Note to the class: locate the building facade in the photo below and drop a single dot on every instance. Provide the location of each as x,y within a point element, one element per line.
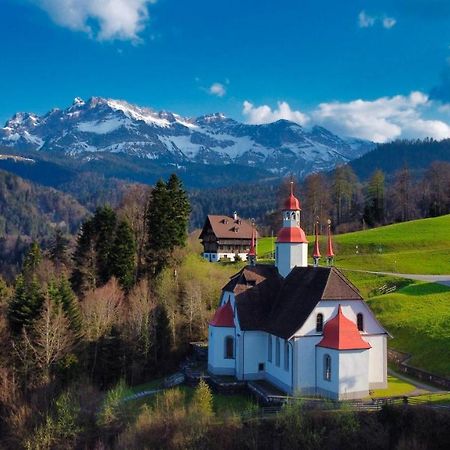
<point>226,237</point>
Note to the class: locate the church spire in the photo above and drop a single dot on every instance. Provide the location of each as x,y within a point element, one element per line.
<point>330,251</point>
<point>251,255</point>
<point>316,254</point>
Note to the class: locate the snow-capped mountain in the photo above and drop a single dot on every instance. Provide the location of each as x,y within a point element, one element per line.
<point>90,130</point>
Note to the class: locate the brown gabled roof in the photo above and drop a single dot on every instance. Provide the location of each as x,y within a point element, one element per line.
<point>281,306</point>
<point>251,276</point>
<point>225,227</point>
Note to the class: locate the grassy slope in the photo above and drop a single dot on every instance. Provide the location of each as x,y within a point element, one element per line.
<point>418,246</point>
<point>417,314</point>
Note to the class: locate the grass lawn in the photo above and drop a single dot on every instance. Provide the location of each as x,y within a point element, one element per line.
<point>417,314</point>
<point>396,387</point>
<point>418,246</point>
<point>223,404</point>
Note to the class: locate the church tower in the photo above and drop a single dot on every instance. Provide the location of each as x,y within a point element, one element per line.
<point>291,247</point>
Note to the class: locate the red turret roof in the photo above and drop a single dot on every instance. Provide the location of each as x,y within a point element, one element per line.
<point>252,251</point>
<point>223,317</point>
<point>316,253</point>
<point>341,333</point>
<point>291,235</point>
<point>292,202</point>
<point>330,252</point>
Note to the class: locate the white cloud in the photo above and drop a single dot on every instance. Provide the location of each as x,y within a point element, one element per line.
<point>217,89</point>
<point>389,22</point>
<point>380,120</point>
<point>383,119</point>
<point>365,21</point>
<point>101,19</point>
<point>265,114</point>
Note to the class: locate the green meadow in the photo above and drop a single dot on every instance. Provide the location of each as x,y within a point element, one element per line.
<point>418,247</point>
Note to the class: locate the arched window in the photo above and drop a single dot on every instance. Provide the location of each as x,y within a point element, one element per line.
<point>286,355</point>
<point>269,348</point>
<point>319,323</point>
<point>360,322</point>
<point>277,352</point>
<point>293,215</point>
<point>327,367</point>
<point>229,347</point>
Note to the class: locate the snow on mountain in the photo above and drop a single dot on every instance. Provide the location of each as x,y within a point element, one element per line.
<point>104,126</point>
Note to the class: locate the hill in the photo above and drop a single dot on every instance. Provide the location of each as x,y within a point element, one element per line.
<point>416,155</point>
<point>419,247</point>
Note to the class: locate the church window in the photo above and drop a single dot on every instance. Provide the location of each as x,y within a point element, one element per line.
<point>319,323</point>
<point>269,348</point>
<point>327,367</point>
<point>293,215</point>
<point>360,322</point>
<point>286,355</point>
<point>277,352</point>
<point>229,347</point>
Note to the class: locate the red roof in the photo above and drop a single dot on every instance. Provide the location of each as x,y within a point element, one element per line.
<point>223,317</point>
<point>330,251</point>
<point>291,235</point>
<point>316,253</point>
<point>292,203</point>
<point>341,333</point>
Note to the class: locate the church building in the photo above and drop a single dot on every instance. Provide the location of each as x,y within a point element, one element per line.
<point>303,328</point>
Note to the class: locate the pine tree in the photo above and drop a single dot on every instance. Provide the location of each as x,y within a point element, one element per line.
<point>60,292</point>
<point>104,223</point>
<point>167,220</point>
<point>32,260</point>
<point>203,399</point>
<point>179,210</point>
<point>58,249</point>
<point>25,305</point>
<point>123,264</point>
<point>163,336</point>
<point>375,201</point>
<point>84,275</point>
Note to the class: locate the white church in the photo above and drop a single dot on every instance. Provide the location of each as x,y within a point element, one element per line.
<point>304,329</point>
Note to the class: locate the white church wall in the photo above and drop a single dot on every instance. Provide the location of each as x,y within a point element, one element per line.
<point>377,361</point>
<point>305,376</point>
<point>227,296</point>
<point>254,354</point>
<point>290,255</point>
<point>217,363</point>
<point>350,309</point>
<point>353,374</point>
<point>277,373</point>
<point>327,387</point>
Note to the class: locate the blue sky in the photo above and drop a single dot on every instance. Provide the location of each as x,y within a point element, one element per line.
<point>372,69</point>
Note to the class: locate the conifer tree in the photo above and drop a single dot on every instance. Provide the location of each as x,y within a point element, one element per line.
<point>123,262</point>
<point>167,219</point>
<point>58,249</point>
<point>32,261</point>
<point>84,275</point>
<point>203,399</point>
<point>104,223</point>
<point>26,303</point>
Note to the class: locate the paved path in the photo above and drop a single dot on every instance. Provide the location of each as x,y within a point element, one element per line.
<point>440,279</point>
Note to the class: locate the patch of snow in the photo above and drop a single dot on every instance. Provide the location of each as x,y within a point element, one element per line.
<point>101,127</point>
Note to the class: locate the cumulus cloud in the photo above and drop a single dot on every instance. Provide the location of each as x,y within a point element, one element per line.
<point>367,21</point>
<point>217,89</point>
<point>380,120</point>
<point>265,114</point>
<point>100,19</point>
<point>383,119</point>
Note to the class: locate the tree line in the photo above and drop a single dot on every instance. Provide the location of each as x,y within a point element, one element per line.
<point>123,304</point>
